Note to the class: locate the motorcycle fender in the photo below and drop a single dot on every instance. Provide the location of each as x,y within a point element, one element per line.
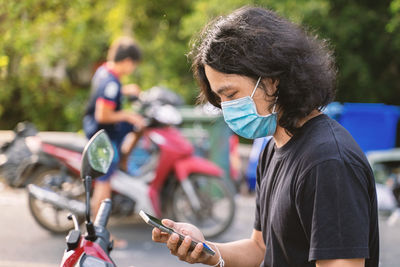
<point>184,167</point>
<point>86,247</point>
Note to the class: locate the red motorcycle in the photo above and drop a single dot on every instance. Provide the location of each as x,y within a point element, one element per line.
<point>92,249</point>
<point>163,177</point>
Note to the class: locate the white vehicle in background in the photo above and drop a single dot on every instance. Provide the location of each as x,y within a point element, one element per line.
<point>386,167</point>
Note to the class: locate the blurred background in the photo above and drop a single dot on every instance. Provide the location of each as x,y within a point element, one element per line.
<point>50,49</point>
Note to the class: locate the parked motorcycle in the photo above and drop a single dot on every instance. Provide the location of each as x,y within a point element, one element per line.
<point>163,177</point>
<point>15,154</point>
<point>92,249</point>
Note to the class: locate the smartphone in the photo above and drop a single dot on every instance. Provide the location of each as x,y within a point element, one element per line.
<point>153,221</point>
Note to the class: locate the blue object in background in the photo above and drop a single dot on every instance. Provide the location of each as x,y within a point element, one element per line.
<point>138,157</point>
<point>372,125</point>
<point>334,110</point>
<point>251,172</point>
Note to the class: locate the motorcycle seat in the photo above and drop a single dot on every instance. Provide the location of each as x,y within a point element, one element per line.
<point>74,147</point>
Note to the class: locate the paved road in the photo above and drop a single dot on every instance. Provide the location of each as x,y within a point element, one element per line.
<point>25,244</point>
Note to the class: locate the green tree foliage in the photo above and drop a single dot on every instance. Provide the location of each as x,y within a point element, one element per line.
<point>49,49</point>
<point>365,38</point>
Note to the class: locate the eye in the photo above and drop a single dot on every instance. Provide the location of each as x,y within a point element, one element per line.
<point>231,95</point>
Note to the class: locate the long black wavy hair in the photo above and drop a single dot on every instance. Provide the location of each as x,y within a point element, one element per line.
<point>256,42</point>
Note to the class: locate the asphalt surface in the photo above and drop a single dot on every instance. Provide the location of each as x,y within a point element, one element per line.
<point>24,243</point>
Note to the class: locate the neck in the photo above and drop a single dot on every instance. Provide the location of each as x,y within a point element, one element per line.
<point>115,68</point>
<point>281,137</point>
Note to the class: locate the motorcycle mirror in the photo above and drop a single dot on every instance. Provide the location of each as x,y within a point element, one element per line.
<point>97,156</point>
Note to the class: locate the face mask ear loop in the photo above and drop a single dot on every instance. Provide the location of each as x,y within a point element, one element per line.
<point>255,88</point>
<point>273,108</point>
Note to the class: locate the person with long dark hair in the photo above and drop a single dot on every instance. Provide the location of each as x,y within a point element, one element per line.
<point>315,196</point>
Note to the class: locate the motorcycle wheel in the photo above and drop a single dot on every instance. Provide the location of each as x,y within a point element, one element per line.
<point>47,215</point>
<point>216,200</point>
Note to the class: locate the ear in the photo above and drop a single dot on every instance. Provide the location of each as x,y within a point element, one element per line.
<point>270,85</point>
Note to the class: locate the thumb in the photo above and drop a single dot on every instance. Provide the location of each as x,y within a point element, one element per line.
<point>169,223</point>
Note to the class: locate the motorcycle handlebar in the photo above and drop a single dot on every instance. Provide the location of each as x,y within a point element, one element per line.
<point>103,214</point>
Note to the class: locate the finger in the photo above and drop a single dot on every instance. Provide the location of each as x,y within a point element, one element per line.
<point>138,127</point>
<point>159,236</point>
<point>137,87</point>
<point>196,253</point>
<point>156,235</point>
<point>172,243</point>
<point>167,222</point>
<point>183,249</point>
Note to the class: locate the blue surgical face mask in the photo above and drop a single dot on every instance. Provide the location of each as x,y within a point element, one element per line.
<point>242,117</point>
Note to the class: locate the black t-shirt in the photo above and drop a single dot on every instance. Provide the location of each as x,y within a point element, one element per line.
<point>316,198</point>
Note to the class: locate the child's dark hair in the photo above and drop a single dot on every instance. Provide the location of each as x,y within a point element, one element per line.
<point>122,48</point>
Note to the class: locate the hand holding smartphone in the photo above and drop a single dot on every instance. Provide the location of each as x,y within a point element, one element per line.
<point>155,222</point>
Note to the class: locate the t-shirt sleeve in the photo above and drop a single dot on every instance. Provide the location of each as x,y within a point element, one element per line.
<point>109,93</point>
<point>333,204</point>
